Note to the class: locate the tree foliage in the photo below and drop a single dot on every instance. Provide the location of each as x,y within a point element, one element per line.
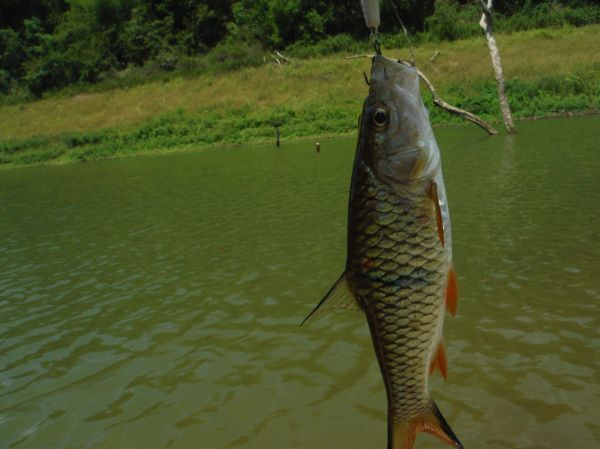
<point>48,44</point>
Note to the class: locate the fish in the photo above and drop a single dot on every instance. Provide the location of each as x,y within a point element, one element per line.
<point>399,269</point>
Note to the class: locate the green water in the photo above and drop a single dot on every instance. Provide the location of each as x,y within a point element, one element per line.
<point>154,302</point>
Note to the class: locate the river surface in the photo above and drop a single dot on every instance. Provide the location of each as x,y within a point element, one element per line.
<point>154,302</point>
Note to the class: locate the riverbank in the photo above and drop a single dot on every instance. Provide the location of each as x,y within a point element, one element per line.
<point>548,72</point>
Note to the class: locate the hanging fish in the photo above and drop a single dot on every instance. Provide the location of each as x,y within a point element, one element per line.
<point>399,251</point>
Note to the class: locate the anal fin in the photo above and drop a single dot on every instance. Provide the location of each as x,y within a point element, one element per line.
<point>339,296</point>
<point>433,194</point>
<point>439,360</point>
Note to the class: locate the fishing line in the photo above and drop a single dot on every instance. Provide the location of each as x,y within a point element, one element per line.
<point>405,31</point>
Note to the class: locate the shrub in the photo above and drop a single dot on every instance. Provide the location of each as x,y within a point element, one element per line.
<point>329,45</point>
<point>450,21</point>
<point>547,15</point>
<point>142,38</point>
<point>82,139</point>
<point>12,55</point>
<point>232,55</point>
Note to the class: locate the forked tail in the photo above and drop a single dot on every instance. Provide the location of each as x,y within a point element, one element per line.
<point>401,435</point>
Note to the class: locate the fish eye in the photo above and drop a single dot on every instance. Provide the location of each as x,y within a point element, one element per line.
<point>380,117</point>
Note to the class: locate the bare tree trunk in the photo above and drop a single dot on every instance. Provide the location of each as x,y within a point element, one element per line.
<point>486,24</point>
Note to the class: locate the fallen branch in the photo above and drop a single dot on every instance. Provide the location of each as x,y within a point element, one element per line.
<point>277,61</point>
<point>439,102</point>
<point>285,58</point>
<point>358,56</point>
<point>279,58</point>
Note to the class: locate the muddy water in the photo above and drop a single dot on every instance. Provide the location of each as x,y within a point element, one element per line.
<point>154,302</point>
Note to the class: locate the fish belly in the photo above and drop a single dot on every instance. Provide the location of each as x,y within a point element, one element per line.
<point>397,269</point>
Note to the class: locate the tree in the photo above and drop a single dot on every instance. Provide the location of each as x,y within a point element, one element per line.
<point>486,24</point>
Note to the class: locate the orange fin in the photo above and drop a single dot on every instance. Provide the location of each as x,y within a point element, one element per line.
<point>404,433</point>
<point>433,194</point>
<point>451,292</point>
<point>439,360</point>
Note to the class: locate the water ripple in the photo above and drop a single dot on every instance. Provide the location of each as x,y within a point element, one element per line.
<point>155,302</point>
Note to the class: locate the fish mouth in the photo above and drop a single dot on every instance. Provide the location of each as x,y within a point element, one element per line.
<point>387,70</point>
<point>391,64</point>
<point>397,82</point>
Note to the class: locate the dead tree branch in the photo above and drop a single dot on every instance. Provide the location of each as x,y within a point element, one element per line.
<point>439,102</point>
<point>285,58</point>
<point>277,61</point>
<point>358,56</point>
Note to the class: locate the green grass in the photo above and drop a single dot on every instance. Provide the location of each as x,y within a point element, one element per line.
<point>548,71</point>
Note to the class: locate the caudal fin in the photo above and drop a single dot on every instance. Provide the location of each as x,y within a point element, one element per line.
<point>402,435</point>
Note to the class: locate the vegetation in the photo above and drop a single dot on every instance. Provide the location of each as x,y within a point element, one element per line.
<point>47,45</point>
<point>90,79</point>
<point>309,97</point>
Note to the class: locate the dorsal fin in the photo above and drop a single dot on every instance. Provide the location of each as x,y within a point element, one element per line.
<point>339,296</point>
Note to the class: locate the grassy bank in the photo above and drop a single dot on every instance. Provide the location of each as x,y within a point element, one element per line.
<point>548,71</point>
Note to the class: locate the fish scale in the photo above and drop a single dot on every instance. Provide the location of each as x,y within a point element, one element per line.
<point>404,306</point>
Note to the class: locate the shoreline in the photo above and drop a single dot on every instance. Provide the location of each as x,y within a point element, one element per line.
<point>191,148</point>
<point>306,99</point>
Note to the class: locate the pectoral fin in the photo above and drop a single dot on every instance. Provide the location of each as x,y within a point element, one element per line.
<point>339,296</point>
<point>433,194</point>
<point>451,292</point>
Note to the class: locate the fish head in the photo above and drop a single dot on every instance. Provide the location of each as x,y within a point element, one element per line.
<point>395,132</point>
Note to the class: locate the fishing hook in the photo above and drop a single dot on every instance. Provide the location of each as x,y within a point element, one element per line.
<point>375,37</point>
